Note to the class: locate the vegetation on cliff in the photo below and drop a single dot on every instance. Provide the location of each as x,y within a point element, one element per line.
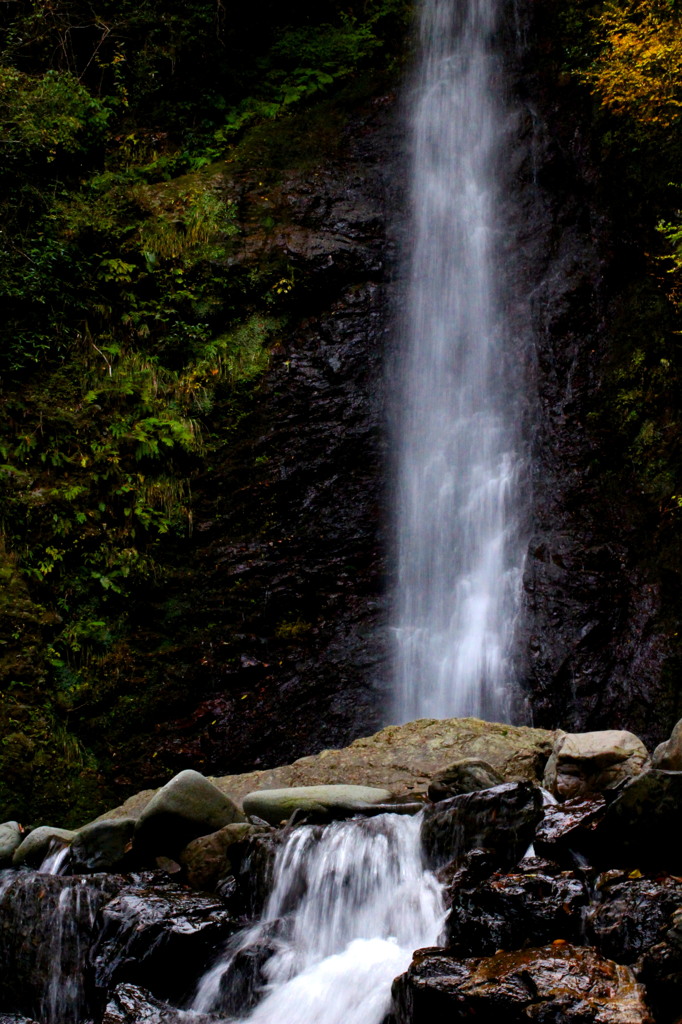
<point>135,331</point>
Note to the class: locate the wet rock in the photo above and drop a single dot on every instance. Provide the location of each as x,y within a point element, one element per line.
<point>130,1004</point>
<point>640,827</point>
<point>37,843</point>
<point>242,983</point>
<point>501,820</point>
<point>668,755</point>
<point>210,858</point>
<point>47,925</point>
<point>556,984</point>
<point>584,764</point>
<point>570,829</point>
<point>628,915</point>
<point>103,846</point>
<point>13,1018</point>
<point>277,805</point>
<point>256,870</point>
<point>186,807</point>
<point>660,969</point>
<point>516,910</point>
<point>150,925</point>
<point>401,758</point>
<point>465,776</point>
<point>10,840</point>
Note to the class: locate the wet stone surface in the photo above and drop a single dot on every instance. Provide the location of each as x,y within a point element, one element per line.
<point>556,984</point>
<point>150,926</point>
<point>501,820</point>
<point>517,910</point>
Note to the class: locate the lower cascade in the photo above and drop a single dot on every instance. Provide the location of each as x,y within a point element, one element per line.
<point>348,907</point>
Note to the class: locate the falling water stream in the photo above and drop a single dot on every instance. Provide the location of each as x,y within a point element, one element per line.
<point>348,907</point>
<point>460,454</point>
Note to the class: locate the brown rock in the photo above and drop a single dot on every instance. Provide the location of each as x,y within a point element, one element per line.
<point>207,859</point>
<point>401,758</point>
<point>585,763</point>
<point>555,984</point>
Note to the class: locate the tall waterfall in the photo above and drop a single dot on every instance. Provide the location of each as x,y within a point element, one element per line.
<point>460,454</point>
<point>348,907</point>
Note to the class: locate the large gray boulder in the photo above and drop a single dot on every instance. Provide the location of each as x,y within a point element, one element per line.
<point>10,840</point>
<point>585,763</point>
<point>103,846</point>
<point>186,807</point>
<point>36,845</point>
<point>277,805</point>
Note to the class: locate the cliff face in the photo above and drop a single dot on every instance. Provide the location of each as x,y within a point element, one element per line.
<point>596,641</point>
<point>279,603</point>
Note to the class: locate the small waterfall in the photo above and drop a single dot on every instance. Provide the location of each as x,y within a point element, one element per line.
<point>48,966</point>
<point>460,457</point>
<point>349,906</point>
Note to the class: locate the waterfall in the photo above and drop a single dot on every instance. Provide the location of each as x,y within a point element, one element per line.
<point>460,458</point>
<point>348,907</point>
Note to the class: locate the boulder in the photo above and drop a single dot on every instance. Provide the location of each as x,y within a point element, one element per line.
<point>516,910</point>
<point>36,845</point>
<point>465,776</point>
<point>640,827</point>
<point>555,984</point>
<point>569,829</point>
<point>500,820</point>
<point>277,805</point>
<point>186,807</point>
<point>660,969</point>
<point>210,858</point>
<point>10,840</point>
<point>585,763</point>
<point>668,755</point>
<point>103,846</point>
<point>628,915</point>
<point>130,1004</point>
<point>160,935</point>
<point>401,758</point>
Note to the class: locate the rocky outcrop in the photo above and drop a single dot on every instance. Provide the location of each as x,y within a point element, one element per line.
<point>556,984</point>
<point>594,640</point>
<point>401,758</point>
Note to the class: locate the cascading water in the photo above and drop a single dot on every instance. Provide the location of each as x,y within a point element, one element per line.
<point>460,457</point>
<point>348,908</point>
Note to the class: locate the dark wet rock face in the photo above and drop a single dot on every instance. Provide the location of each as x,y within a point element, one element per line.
<point>568,829</point>
<point>517,910</point>
<point>592,645</point>
<point>130,1004</point>
<point>151,926</point>
<point>557,984</point>
<point>661,971</point>
<point>46,927</point>
<point>500,820</point>
<point>281,648</point>
<point>641,825</point>
<point>629,915</point>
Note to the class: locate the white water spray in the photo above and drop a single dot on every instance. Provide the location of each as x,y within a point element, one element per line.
<point>460,457</point>
<point>348,908</point>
